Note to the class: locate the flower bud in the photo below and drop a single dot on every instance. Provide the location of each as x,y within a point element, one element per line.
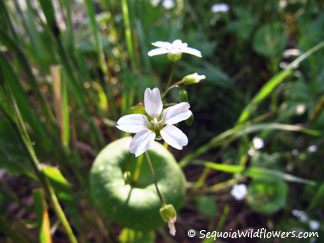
<point>169,215</point>
<point>174,57</point>
<point>193,78</point>
<point>183,96</point>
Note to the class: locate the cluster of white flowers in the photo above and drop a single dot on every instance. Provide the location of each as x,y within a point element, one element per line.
<point>258,144</point>
<point>303,217</point>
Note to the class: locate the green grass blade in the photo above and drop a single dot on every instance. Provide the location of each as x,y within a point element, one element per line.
<point>97,36</point>
<point>49,13</point>
<point>256,172</point>
<point>43,220</point>
<point>8,74</point>
<point>128,34</point>
<point>61,104</point>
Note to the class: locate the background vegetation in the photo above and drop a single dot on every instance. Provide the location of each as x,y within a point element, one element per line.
<point>70,69</point>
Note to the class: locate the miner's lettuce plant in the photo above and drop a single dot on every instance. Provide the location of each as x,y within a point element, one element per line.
<point>106,139</point>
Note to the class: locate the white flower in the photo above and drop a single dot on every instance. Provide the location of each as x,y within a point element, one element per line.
<point>193,78</point>
<point>295,152</point>
<point>177,47</point>
<point>157,124</point>
<point>303,217</point>
<point>168,4</point>
<point>219,7</point>
<point>300,109</point>
<point>312,148</point>
<point>251,152</point>
<point>258,143</point>
<point>172,229</point>
<point>239,191</point>
<point>314,225</point>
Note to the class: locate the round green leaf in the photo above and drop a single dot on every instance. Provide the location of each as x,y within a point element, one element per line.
<point>135,206</point>
<point>267,196</point>
<point>270,40</point>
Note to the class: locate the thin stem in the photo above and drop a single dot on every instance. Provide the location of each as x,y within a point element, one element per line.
<point>318,109</point>
<point>175,85</point>
<point>170,76</point>
<point>154,178</point>
<point>221,186</point>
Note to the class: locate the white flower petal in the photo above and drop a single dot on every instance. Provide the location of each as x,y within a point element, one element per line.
<point>157,51</point>
<point>192,51</point>
<point>141,142</point>
<point>179,44</point>
<point>132,123</point>
<point>152,102</point>
<point>171,226</point>
<point>176,113</point>
<point>174,137</point>
<point>163,44</point>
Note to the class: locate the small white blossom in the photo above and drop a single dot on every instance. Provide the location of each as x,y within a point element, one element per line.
<point>168,4</point>
<point>312,148</point>
<point>314,225</point>
<point>251,152</point>
<point>300,109</point>
<point>157,124</point>
<point>239,191</point>
<point>171,226</point>
<point>177,47</point>
<point>301,215</point>
<point>219,7</point>
<point>295,152</point>
<point>258,143</point>
<point>283,65</point>
<point>291,52</point>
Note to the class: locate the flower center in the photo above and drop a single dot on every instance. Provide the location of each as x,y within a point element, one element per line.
<point>156,123</point>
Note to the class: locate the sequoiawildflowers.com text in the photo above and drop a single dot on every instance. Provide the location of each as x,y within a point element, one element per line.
<point>251,233</point>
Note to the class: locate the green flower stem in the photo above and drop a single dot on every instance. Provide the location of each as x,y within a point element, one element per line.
<point>20,126</point>
<point>175,85</point>
<point>170,76</point>
<point>221,186</point>
<point>154,178</point>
